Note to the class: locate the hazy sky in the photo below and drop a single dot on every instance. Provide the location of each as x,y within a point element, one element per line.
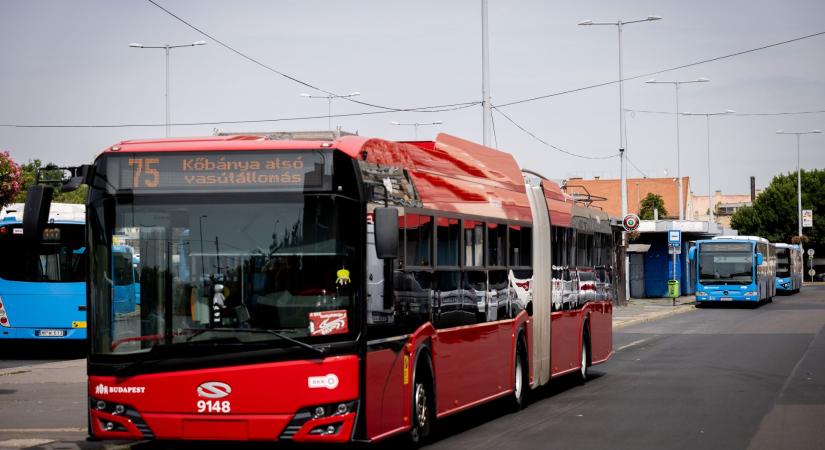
<point>68,63</point>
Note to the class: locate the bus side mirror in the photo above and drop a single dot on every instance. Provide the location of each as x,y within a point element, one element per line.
<point>692,253</point>
<point>36,211</point>
<point>80,176</point>
<point>759,259</point>
<point>386,233</point>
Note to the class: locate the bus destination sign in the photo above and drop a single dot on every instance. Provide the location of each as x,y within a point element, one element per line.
<point>291,171</point>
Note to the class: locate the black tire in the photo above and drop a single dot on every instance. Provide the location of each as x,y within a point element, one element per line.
<point>521,378</point>
<point>585,357</point>
<point>422,404</point>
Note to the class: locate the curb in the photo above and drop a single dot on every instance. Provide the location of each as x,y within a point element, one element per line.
<point>681,309</point>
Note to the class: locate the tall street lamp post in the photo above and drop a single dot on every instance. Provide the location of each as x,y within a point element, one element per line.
<point>619,24</point>
<point>622,160</point>
<point>678,156</point>
<point>329,98</point>
<point>707,118</point>
<point>798,176</point>
<point>415,125</point>
<point>167,48</point>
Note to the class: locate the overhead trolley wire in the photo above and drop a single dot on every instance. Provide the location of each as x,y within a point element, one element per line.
<point>285,75</point>
<point>531,134</point>
<point>658,72</point>
<point>441,108</point>
<point>785,113</point>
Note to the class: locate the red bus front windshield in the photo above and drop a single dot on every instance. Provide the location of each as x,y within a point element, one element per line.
<point>227,269</point>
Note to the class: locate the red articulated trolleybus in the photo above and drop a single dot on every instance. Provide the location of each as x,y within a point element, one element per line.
<point>335,290</point>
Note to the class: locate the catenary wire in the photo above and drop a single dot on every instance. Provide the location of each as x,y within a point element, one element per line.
<point>443,108</point>
<point>282,74</point>
<point>658,72</point>
<point>531,134</point>
<point>785,113</point>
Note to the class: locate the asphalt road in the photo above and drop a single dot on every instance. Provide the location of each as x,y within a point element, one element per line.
<point>712,378</point>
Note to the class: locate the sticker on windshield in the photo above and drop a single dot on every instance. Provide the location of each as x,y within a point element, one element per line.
<point>324,323</point>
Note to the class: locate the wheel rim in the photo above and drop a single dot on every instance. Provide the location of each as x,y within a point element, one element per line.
<point>517,388</point>
<point>584,360</point>
<point>421,405</point>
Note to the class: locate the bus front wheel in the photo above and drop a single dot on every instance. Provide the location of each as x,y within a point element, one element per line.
<point>422,406</point>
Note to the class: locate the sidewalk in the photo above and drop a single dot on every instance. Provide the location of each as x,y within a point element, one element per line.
<point>640,310</point>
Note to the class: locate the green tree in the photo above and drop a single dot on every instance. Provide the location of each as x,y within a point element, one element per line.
<point>774,212</point>
<point>28,173</point>
<point>649,203</point>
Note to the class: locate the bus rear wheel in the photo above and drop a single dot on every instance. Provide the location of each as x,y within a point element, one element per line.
<point>521,379</point>
<point>585,357</point>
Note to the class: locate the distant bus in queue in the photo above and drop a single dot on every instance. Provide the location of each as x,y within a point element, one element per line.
<point>42,281</point>
<point>734,269</point>
<point>789,267</point>
<point>348,289</point>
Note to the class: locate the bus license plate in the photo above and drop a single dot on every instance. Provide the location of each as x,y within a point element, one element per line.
<point>726,299</point>
<point>50,333</point>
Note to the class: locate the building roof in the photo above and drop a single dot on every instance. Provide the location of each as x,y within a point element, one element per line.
<point>637,190</point>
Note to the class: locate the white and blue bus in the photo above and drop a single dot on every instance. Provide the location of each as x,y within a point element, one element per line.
<point>734,269</point>
<point>42,282</point>
<point>789,268</point>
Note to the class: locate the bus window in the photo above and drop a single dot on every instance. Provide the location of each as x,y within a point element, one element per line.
<point>447,243</point>
<point>521,246</point>
<point>473,243</point>
<point>447,311</point>
<point>419,231</point>
<point>496,245</point>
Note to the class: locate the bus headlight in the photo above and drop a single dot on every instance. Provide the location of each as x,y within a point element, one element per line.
<point>749,294</point>
<point>701,294</point>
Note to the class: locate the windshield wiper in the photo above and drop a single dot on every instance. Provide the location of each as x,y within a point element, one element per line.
<point>200,331</point>
<point>155,352</point>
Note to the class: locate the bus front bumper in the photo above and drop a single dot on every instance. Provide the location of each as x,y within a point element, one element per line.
<point>44,334</point>
<point>710,296</point>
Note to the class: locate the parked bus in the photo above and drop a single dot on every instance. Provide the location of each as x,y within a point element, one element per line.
<point>789,267</point>
<point>734,269</point>
<point>335,290</point>
<point>42,283</point>
<point>126,280</point>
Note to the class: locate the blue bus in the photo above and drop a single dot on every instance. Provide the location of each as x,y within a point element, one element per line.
<point>42,284</point>
<point>126,283</point>
<point>734,269</point>
<point>789,267</point>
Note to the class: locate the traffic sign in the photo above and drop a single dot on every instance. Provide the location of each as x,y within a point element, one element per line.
<point>810,252</point>
<point>674,237</point>
<point>812,272</point>
<point>630,222</point>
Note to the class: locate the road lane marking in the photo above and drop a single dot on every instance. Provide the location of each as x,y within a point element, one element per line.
<point>631,344</point>
<point>42,430</point>
<point>24,443</point>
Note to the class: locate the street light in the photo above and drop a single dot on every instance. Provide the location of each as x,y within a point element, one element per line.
<point>167,47</point>
<point>707,118</point>
<point>329,98</point>
<point>798,176</point>
<point>678,157</point>
<point>415,125</point>
<point>619,24</point>
<point>622,160</point>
